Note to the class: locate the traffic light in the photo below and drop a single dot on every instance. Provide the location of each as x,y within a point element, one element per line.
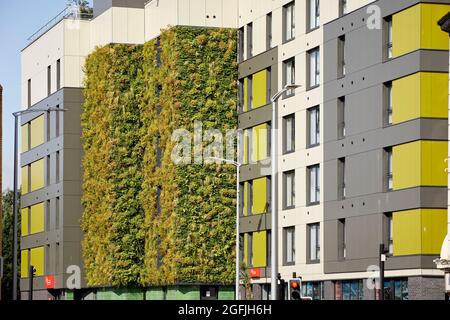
<point>294,289</point>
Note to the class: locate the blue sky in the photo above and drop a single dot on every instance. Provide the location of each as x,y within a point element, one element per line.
<point>19,19</point>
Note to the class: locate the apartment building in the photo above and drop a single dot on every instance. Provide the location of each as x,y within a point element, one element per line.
<point>51,154</point>
<point>362,144</point>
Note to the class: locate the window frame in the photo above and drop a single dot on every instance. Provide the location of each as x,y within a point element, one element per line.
<point>286,138</point>
<point>269,31</point>
<point>286,196</point>
<point>289,29</point>
<point>314,247</point>
<point>314,72</point>
<point>341,57</point>
<point>286,255</point>
<point>312,201</point>
<point>313,15</point>
<point>289,65</point>
<point>311,143</point>
<point>249,40</point>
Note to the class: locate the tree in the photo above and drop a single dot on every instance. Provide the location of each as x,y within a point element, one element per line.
<point>7,236</point>
<point>83,5</point>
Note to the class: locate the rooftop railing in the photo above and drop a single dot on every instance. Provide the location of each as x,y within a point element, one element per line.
<point>72,12</point>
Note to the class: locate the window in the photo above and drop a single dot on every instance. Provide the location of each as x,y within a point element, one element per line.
<point>341,57</point>
<point>289,75</point>
<point>341,178</point>
<point>58,74</point>
<point>58,164</point>
<point>388,170</point>
<point>47,215</point>
<point>396,289</point>
<point>269,248</point>
<point>47,179</point>
<point>314,126</point>
<point>241,45</point>
<point>289,189</point>
<point>314,184</point>
<point>341,118</point>
<point>349,290</point>
<point>342,239</point>
<point>249,40</point>
<point>29,92</point>
<point>289,21</point>
<point>342,7</point>
<point>268,85</point>
<point>389,233</point>
<point>250,249</point>
<point>314,68</point>
<point>269,31</point>
<point>289,134</point>
<point>388,103</point>
<point>289,240</point>
<point>241,248</point>
<point>250,92</point>
<point>388,38</point>
<point>314,243</point>
<point>49,80</point>
<point>314,14</point>
<point>241,95</point>
<point>314,290</point>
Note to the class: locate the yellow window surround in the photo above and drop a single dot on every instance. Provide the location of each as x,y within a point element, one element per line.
<point>24,222</point>
<point>416,28</point>
<point>420,95</point>
<point>24,264</point>
<point>419,163</point>
<point>260,150</point>
<point>25,180</point>
<point>25,137</point>
<point>419,231</point>
<point>37,260</point>
<point>259,196</point>
<point>259,249</point>
<point>37,218</point>
<point>37,175</point>
<point>37,132</point>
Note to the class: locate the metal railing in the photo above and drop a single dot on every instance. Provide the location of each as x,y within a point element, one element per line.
<point>69,12</point>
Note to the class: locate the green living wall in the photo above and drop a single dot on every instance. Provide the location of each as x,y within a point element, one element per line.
<point>148,221</point>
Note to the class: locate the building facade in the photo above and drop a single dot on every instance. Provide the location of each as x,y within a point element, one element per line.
<point>363,144</point>
<point>361,152</point>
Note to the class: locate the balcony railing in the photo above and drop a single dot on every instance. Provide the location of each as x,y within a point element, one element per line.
<point>72,12</point>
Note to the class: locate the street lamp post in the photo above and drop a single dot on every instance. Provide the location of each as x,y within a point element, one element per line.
<point>274,205</point>
<point>17,115</point>
<point>238,201</point>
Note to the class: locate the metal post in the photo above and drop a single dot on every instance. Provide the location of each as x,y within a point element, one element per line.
<point>382,252</point>
<point>273,202</point>
<point>31,279</point>
<point>238,202</point>
<point>15,206</point>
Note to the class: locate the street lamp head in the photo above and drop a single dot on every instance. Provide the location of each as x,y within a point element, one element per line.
<point>292,86</point>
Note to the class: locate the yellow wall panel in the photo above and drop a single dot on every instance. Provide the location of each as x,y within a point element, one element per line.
<point>259,141</point>
<point>37,175</point>
<point>245,195</point>
<point>421,95</point>
<point>420,231</point>
<point>406,31</point>
<point>37,131</point>
<point>25,145</point>
<point>434,230</point>
<point>37,218</point>
<point>37,260</point>
<point>24,264</point>
<point>432,35</point>
<point>25,188</point>
<point>259,249</point>
<point>259,196</point>
<point>259,89</point>
<point>246,102</point>
<point>416,28</point>
<point>24,222</point>
<point>419,163</point>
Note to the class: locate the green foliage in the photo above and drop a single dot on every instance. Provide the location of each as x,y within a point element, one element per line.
<point>113,218</point>
<point>7,242</point>
<point>126,120</point>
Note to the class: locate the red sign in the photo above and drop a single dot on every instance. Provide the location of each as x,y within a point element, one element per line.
<point>255,273</point>
<point>50,282</point>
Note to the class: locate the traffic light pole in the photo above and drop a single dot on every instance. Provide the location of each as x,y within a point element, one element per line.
<point>382,260</point>
<point>31,279</point>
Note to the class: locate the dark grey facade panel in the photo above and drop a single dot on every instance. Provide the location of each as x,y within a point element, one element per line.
<point>255,223</point>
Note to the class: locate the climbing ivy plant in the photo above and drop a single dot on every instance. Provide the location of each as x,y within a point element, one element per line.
<point>148,221</point>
